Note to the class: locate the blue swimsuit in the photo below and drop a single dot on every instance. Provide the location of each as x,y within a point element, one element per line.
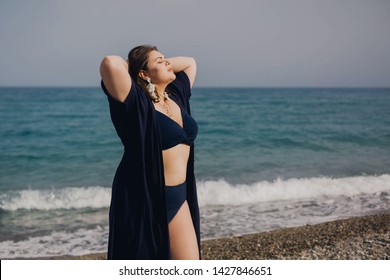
<point>173,134</point>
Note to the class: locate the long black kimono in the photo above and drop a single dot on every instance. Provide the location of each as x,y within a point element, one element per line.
<point>138,223</point>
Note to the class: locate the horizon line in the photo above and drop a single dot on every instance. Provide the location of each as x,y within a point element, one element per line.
<point>210,87</point>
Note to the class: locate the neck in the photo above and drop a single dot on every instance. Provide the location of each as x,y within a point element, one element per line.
<point>161,89</point>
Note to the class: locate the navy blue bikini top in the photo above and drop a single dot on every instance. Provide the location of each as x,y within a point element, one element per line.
<point>171,132</point>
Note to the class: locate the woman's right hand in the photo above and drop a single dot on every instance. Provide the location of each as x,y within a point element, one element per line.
<point>115,76</point>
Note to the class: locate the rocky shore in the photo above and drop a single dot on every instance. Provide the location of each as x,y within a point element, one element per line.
<point>366,238</point>
<point>355,238</point>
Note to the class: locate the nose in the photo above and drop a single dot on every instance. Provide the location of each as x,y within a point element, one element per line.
<point>167,62</point>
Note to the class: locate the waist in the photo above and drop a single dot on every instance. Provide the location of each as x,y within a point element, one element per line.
<point>175,164</point>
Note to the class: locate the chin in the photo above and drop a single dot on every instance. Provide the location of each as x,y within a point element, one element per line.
<point>172,77</point>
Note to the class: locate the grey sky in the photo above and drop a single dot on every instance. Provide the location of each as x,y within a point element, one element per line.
<point>236,43</point>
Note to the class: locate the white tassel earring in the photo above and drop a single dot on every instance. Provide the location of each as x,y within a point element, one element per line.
<point>152,89</point>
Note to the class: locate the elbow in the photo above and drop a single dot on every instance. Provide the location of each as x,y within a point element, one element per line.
<point>192,61</point>
<point>108,63</point>
<point>105,64</point>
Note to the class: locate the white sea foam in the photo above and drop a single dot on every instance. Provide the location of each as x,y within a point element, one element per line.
<point>225,210</point>
<point>217,192</point>
<point>59,243</point>
<point>222,193</point>
<point>65,198</point>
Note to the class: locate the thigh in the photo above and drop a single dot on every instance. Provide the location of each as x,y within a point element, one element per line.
<point>184,245</point>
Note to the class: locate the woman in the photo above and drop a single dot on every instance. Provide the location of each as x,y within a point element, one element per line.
<point>154,210</point>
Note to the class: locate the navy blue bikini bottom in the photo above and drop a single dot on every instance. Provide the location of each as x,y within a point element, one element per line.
<point>175,196</point>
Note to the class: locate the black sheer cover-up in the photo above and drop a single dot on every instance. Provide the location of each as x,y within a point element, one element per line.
<point>138,222</point>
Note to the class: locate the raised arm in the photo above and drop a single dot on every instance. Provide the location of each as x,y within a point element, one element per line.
<point>186,64</point>
<point>115,76</point>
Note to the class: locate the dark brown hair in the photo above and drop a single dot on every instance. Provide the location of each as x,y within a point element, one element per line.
<point>138,59</point>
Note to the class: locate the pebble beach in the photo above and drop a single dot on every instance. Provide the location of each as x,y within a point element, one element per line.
<point>357,238</point>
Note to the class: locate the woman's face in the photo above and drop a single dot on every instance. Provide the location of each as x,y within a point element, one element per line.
<point>159,68</point>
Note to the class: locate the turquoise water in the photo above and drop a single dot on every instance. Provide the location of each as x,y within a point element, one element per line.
<point>258,149</point>
<point>249,135</point>
<point>64,137</point>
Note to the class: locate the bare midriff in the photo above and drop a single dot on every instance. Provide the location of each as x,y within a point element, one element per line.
<point>175,164</point>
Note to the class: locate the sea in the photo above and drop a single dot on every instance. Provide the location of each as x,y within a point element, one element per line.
<point>265,159</point>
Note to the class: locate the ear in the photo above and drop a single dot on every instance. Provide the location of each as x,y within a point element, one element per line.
<point>143,75</point>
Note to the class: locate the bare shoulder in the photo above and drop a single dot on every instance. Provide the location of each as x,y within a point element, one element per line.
<point>115,76</point>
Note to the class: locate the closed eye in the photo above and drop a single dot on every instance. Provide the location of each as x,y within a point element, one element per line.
<point>160,58</point>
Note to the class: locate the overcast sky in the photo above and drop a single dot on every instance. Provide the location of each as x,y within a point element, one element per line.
<point>266,43</point>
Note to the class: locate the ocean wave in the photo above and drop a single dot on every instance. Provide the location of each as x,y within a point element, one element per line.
<point>211,192</point>
<point>222,193</point>
<point>65,198</point>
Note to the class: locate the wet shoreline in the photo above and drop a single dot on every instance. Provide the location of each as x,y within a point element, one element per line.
<point>366,237</point>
